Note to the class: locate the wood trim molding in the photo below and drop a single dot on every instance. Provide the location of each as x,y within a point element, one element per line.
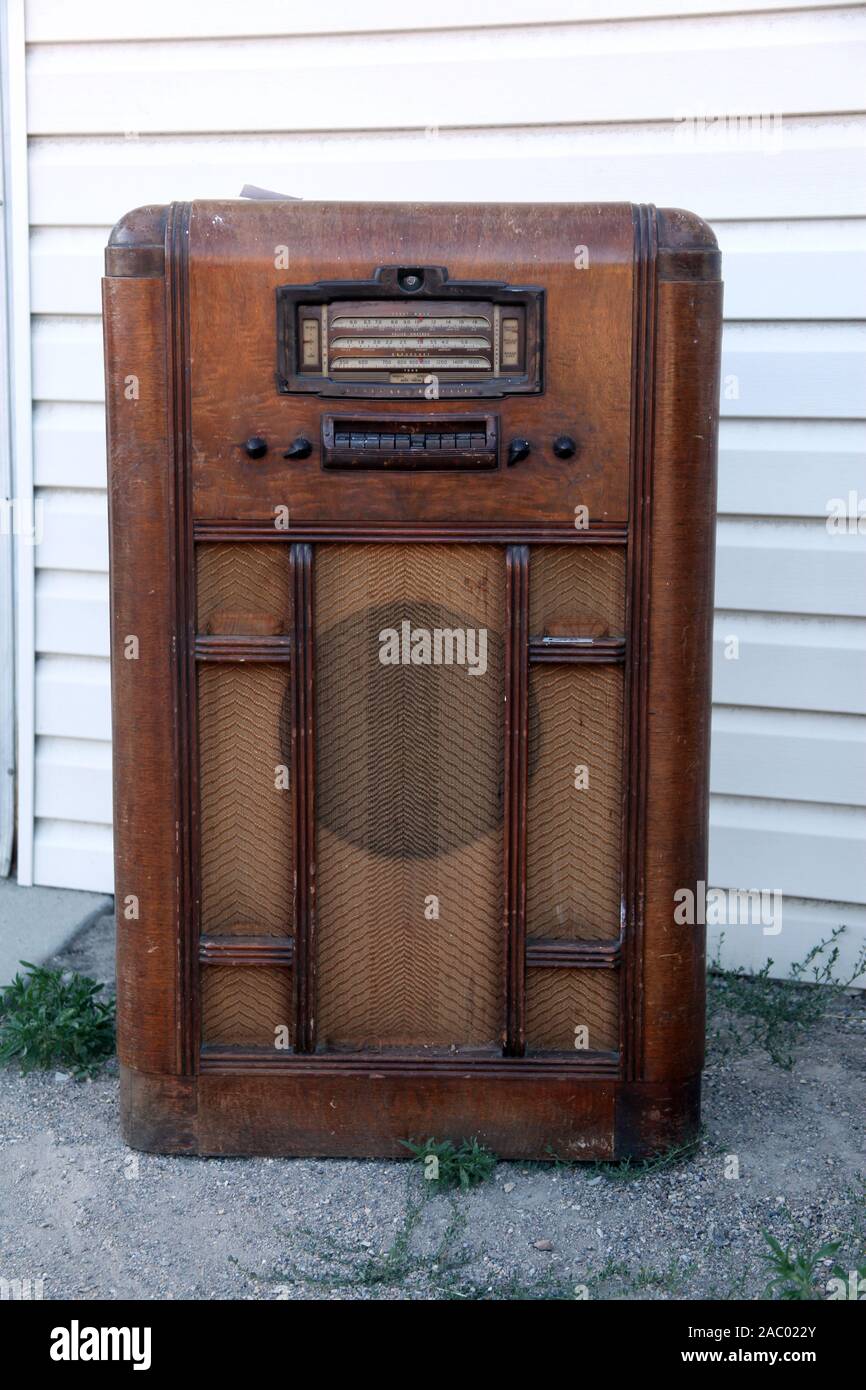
<point>136,247</point>
<point>576,651</point>
<point>566,1066</point>
<point>303,791</point>
<point>183,572</point>
<point>515,794</point>
<point>637,629</point>
<point>226,648</point>
<point>394,532</point>
<point>546,954</point>
<point>246,950</point>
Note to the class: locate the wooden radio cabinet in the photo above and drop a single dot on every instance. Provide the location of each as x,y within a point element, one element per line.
<point>412,517</point>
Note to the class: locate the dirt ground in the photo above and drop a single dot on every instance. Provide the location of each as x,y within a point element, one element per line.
<point>93,1220</point>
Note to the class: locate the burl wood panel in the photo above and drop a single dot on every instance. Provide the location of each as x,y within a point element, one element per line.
<point>587,356</point>
<point>409,811</point>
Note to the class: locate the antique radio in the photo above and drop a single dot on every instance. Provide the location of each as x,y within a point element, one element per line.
<point>412,540</point>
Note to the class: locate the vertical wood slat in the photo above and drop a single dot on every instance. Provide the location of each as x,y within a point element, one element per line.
<point>183,579</point>
<point>515,793</point>
<point>303,796</point>
<point>637,639</point>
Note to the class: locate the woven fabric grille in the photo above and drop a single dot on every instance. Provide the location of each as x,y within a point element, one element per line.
<point>243,590</point>
<point>577,591</point>
<point>245,817</point>
<point>244,1005</point>
<point>573,882</point>
<point>409,800</point>
<point>559,1002</point>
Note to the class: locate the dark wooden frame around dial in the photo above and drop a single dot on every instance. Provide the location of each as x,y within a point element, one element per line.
<point>387,284</point>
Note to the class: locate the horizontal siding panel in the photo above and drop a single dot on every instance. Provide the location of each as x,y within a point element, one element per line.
<point>73,697</point>
<point>73,780</point>
<point>789,468</point>
<point>72,613</point>
<point>814,269</point>
<point>822,277</point>
<point>66,267</point>
<point>69,444</point>
<point>56,21</point>
<point>791,663</point>
<point>535,76</point>
<point>74,531</point>
<point>68,359</point>
<point>86,182</point>
<point>788,755</point>
<point>807,850</point>
<point>804,923</point>
<point>790,567</point>
<point>70,855</point>
<point>806,371</point>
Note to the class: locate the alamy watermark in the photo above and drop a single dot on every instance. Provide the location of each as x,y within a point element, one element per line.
<point>437,646</point>
<point>729,907</point>
<point>755,130</point>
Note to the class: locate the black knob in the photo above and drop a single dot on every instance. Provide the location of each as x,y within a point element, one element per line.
<point>518,450</point>
<point>301,448</point>
<point>256,447</point>
<point>564,446</point>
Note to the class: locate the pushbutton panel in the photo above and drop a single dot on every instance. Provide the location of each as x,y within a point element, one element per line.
<point>409,443</point>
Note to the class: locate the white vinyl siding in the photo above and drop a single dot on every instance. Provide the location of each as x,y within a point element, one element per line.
<point>518,100</point>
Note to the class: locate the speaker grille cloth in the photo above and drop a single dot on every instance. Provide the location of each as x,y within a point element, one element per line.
<point>409,801</point>
<point>246,868</point>
<point>577,591</point>
<point>245,1005</point>
<point>243,590</point>
<point>560,1001</point>
<point>573,882</point>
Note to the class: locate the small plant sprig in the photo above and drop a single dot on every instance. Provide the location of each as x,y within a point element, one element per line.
<point>793,1272</point>
<point>775,1013</point>
<point>446,1165</point>
<point>53,1018</point>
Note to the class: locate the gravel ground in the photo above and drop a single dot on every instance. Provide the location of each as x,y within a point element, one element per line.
<point>95,1220</point>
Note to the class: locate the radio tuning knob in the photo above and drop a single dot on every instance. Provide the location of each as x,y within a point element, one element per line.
<point>564,446</point>
<point>300,448</point>
<point>255,446</point>
<point>518,450</point>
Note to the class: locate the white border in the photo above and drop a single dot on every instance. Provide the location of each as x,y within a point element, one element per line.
<point>17,228</point>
